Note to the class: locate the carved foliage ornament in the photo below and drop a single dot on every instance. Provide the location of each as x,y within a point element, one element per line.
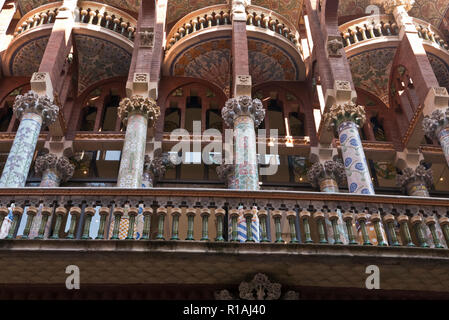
<point>389,5</point>
<point>139,104</point>
<point>438,120</point>
<point>41,105</point>
<point>146,37</point>
<point>241,106</point>
<point>421,174</point>
<point>348,111</point>
<point>260,288</point>
<point>334,47</point>
<point>330,170</point>
<point>62,165</point>
<point>224,171</point>
<point>158,165</point>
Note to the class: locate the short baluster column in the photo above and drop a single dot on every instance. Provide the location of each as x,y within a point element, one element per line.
<point>132,213</point>
<point>249,230</point>
<point>361,218</point>
<point>175,213</point>
<point>333,217</point>
<point>3,213</point>
<point>304,215</point>
<point>263,215</point>
<point>118,214</point>
<point>60,213</point>
<point>430,223</point>
<point>75,213</point>
<point>34,111</point>
<point>205,213</point>
<point>444,223</point>
<point>234,214</point>
<point>277,215</point>
<point>348,218</point>
<point>376,220</point>
<point>190,212</point>
<point>403,222</point>
<point>244,114</point>
<point>104,213</point>
<point>17,213</point>
<point>318,216</point>
<point>417,223</point>
<point>219,216</point>
<point>89,212</point>
<point>346,118</point>
<point>31,214</point>
<point>138,114</point>
<point>389,221</point>
<point>147,212</point>
<point>46,213</point>
<point>291,216</point>
<point>161,213</point>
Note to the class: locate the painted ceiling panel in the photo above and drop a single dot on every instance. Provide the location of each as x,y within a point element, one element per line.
<point>27,58</point>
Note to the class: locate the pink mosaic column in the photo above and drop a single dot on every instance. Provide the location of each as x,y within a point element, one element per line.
<point>436,126</point>
<point>34,111</point>
<point>138,113</point>
<point>244,114</point>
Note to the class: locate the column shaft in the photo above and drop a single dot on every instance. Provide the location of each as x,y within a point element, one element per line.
<point>131,164</point>
<point>21,154</point>
<point>246,170</point>
<point>357,172</point>
<point>443,137</point>
<point>50,179</point>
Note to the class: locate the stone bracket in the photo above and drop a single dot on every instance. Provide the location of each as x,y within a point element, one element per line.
<point>436,98</point>
<point>334,47</point>
<point>142,86</point>
<point>146,37</point>
<point>409,158</point>
<point>41,84</point>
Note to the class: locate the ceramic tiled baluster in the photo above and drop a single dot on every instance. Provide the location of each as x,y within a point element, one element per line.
<point>34,111</point>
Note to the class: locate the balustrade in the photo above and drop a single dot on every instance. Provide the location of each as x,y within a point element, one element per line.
<point>219,15</point>
<point>92,13</point>
<point>283,218</point>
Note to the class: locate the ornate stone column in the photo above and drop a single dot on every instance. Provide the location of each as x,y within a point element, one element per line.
<point>154,169</point>
<point>34,111</point>
<point>346,118</point>
<point>226,173</point>
<point>327,176</point>
<point>416,182</point>
<point>244,114</point>
<point>138,113</point>
<point>436,126</point>
<point>54,170</point>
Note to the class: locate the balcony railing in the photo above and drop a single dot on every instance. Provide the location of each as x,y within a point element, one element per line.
<point>216,215</point>
<point>372,27</point>
<point>220,15</point>
<point>91,13</point>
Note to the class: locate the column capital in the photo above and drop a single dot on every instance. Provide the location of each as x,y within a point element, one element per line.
<point>437,120</point>
<point>138,104</point>
<point>342,112</point>
<point>62,165</point>
<point>420,174</point>
<point>225,172</point>
<point>158,165</point>
<point>243,106</point>
<point>329,170</point>
<point>42,105</point>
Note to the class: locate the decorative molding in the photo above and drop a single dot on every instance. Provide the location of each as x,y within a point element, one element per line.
<point>260,288</point>
<point>41,105</point>
<point>139,104</point>
<point>243,106</point>
<point>334,47</point>
<point>343,112</point>
<point>146,37</point>
<point>390,5</point>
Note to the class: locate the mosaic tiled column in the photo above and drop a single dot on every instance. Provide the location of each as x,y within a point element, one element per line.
<point>138,113</point>
<point>34,111</point>
<point>327,176</point>
<point>416,182</point>
<point>244,115</point>
<point>436,126</point>
<point>346,118</point>
<point>154,169</point>
<point>54,170</point>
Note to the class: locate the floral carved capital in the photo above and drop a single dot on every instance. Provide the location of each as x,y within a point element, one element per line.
<point>330,170</point>
<point>64,168</point>
<point>243,106</point>
<point>139,104</point>
<point>389,5</point>
<point>225,172</point>
<point>158,165</point>
<point>342,112</point>
<point>34,103</point>
<point>421,174</point>
<point>438,120</point>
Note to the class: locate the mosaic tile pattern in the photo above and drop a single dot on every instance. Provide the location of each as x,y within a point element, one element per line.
<point>371,71</point>
<point>50,179</point>
<point>443,137</point>
<point>27,58</point>
<point>98,60</point>
<point>357,172</point>
<point>131,164</point>
<point>246,175</point>
<point>441,70</point>
<point>21,154</point>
